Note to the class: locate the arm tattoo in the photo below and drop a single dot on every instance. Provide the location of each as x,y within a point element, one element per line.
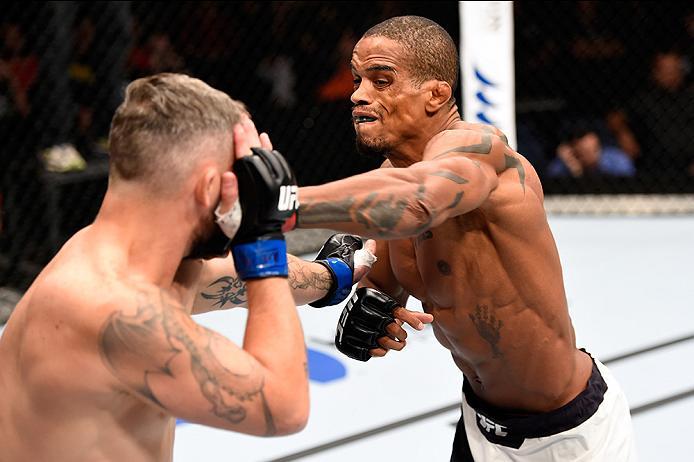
<point>456,200</point>
<point>376,211</point>
<point>302,277</point>
<point>384,214</point>
<point>483,147</point>
<point>450,176</point>
<point>488,327</point>
<point>513,162</point>
<point>326,212</point>
<point>499,133</point>
<point>138,347</point>
<point>232,290</point>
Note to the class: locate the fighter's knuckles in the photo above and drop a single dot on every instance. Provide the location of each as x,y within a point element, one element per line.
<point>394,330</point>
<point>378,352</point>
<point>390,344</point>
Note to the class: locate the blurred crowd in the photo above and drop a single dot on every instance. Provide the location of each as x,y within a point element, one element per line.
<point>621,71</point>
<point>604,89</point>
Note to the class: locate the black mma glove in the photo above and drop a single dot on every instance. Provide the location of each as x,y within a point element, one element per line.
<point>268,197</point>
<point>337,254</point>
<point>363,321</point>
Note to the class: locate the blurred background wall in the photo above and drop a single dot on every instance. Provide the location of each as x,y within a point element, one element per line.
<point>604,97</point>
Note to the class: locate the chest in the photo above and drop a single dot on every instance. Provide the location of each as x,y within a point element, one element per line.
<point>449,264</point>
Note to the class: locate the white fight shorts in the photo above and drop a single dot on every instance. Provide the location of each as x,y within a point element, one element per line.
<point>595,426</point>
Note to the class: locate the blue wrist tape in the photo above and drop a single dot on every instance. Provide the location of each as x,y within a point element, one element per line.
<point>342,282</point>
<point>261,259</point>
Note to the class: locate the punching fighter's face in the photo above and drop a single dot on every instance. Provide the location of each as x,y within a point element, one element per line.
<point>388,106</point>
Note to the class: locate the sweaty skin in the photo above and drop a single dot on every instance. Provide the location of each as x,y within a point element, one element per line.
<point>493,281</point>
<point>462,228</point>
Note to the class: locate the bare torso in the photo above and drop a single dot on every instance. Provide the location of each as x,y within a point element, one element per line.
<point>492,280</point>
<point>60,402</point>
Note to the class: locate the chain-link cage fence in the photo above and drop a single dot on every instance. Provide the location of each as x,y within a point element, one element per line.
<point>604,95</point>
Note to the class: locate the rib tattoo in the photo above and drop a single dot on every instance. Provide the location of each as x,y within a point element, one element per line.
<point>158,333</point>
<point>488,327</point>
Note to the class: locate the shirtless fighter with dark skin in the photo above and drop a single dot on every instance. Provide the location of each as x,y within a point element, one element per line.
<point>460,225</point>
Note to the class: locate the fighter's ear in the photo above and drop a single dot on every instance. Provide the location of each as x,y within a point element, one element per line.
<point>440,94</point>
<point>208,187</point>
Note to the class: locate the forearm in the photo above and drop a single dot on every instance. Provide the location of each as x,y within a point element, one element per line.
<point>221,288</point>
<point>379,204</point>
<point>395,203</point>
<point>274,337</point>
<point>308,281</point>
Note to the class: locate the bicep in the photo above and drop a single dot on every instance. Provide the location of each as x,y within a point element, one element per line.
<point>452,186</point>
<point>159,353</point>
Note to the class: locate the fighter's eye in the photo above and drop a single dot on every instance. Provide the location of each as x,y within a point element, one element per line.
<point>380,82</point>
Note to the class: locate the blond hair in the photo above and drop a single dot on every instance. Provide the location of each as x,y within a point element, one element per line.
<point>164,119</point>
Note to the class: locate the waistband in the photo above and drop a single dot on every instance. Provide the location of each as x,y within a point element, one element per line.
<point>504,425</point>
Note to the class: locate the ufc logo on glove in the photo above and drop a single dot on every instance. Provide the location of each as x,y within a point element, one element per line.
<point>288,199</point>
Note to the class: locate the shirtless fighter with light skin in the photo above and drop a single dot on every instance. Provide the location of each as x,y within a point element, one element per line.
<point>460,225</point>
<point>101,353</point>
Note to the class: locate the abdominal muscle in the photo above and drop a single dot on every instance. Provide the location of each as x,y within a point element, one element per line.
<point>516,349</point>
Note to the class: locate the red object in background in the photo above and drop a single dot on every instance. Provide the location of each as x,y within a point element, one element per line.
<point>25,71</point>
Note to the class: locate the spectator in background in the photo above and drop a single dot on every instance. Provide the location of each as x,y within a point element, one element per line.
<point>340,85</point>
<point>582,154</point>
<point>658,122</point>
<point>18,73</point>
<point>65,63</point>
<point>19,67</point>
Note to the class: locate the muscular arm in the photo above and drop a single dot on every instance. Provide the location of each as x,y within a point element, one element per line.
<point>157,352</point>
<point>458,172</point>
<point>220,288</point>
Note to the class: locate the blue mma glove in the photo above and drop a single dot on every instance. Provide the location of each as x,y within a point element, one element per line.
<point>337,254</point>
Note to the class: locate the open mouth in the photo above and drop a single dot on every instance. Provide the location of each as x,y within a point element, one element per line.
<point>360,119</point>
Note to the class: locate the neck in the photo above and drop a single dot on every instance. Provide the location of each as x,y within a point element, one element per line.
<point>145,237</point>
<point>412,150</point>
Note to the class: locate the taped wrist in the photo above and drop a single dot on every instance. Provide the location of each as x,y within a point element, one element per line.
<point>262,258</point>
<point>363,321</point>
<point>342,283</point>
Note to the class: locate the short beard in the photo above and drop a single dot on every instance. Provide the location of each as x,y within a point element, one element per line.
<point>377,149</point>
<point>208,241</point>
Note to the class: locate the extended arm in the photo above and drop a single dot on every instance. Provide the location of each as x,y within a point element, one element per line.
<point>220,287</point>
<point>459,170</point>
